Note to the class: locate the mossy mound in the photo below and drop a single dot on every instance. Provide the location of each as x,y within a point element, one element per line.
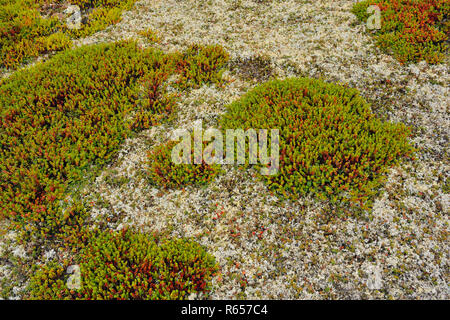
<point>331,145</point>
<point>411,30</point>
<point>129,265</point>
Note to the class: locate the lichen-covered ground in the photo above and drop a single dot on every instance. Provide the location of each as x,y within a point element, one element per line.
<point>273,249</point>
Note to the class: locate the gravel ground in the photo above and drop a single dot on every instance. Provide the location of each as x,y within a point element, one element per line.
<point>273,249</point>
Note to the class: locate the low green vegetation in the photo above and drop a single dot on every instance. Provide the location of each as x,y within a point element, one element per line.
<point>202,65</point>
<point>412,30</point>
<point>128,265</point>
<point>166,174</point>
<point>29,28</point>
<point>331,145</point>
<point>151,36</point>
<point>62,118</point>
<point>60,122</point>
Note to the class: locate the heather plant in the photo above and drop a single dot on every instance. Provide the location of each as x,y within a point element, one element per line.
<point>331,145</point>
<point>412,30</point>
<point>201,65</point>
<point>62,118</point>
<point>129,265</point>
<point>167,174</point>
<point>26,33</point>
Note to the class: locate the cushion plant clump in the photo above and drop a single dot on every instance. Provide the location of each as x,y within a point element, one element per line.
<point>129,265</point>
<point>412,30</point>
<point>331,145</point>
